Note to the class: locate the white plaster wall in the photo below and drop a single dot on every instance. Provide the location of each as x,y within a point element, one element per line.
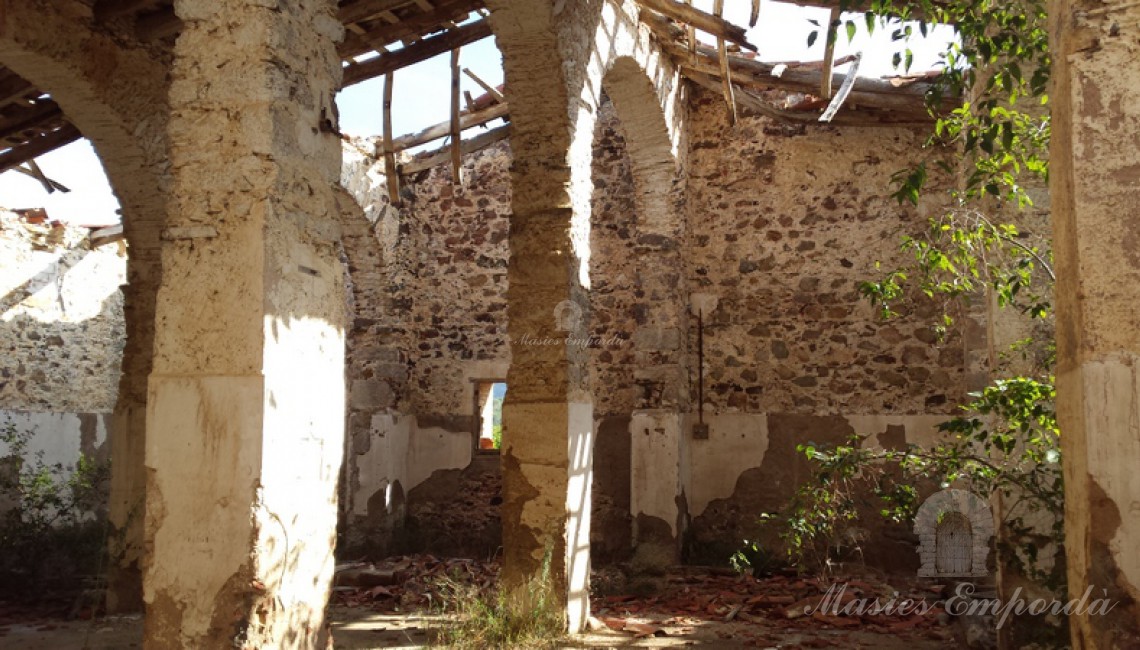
<point>737,442</point>
<point>403,452</point>
<point>57,435</point>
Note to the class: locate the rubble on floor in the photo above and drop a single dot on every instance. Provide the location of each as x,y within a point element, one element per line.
<point>784,611</point>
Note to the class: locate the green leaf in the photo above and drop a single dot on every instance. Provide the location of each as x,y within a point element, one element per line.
<point>850,30</point>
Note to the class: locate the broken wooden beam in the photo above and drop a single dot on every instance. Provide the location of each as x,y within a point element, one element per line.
<point>454,129</point>
<point>829,53</point>
<point>390,176</point>
<point>421,51</point>
<point>38,146</point>
<point>725,72</point>
<point>749,101</point>
<point>491,90</point>
<point>443,129</point>
<point>441,156</point>
<point>706,22</point>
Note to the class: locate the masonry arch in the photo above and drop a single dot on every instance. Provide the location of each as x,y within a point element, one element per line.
<point>115,97</point>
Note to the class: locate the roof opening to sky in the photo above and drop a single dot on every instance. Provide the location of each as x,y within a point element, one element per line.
<point>422,96</point>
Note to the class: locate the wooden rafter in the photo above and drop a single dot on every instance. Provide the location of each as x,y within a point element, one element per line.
<point>390,175</point>
<point>829,53</point>
<point>725,72</point>
<point>38,146</point>
<point>443,155</point>
<point>420,51</point>
<point>40,117</point>
<point>417,26</point>
<point>703,21</point>
<point>456,131</point>
<point>443,129</point>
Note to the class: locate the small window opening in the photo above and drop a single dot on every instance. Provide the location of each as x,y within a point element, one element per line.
<point>489,401</point>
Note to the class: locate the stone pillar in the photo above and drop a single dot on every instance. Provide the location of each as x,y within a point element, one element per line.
<point>548,435</point>
<point>1095,188</point>
<point>245,416</point>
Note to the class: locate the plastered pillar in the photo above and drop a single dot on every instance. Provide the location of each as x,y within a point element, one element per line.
<point>1095,188</point>
<point>548,437</point>
<point>245,413</point>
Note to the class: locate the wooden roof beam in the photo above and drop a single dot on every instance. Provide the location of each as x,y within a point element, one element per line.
<point>42,115</point>
<point>409,28</point>
<point>38,146</point>
<point>420,51</point>
<point>702,20</point>
<point>443,129</point>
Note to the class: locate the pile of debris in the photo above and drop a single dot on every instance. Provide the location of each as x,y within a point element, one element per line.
<point>409,582</point>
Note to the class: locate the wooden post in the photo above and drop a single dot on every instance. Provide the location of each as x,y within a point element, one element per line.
<point>829,53</point>
<point>491,90</point>
<point>456,132</point>
<point>390,174</point>
<point>725,73</point>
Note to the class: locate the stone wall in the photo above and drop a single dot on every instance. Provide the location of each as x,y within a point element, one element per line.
<point>428,291</point>
<point>782,223</point>
<point>61,318</point>
<point>61,335</point>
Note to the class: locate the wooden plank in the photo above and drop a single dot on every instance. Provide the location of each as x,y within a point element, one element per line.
<point>703,21</point>
<point>38,146</point>
<point>844,90</point>
<point>104,236</point>
<point>367,10</point>
<point>491,90</point>
<point>829,53</point>
<point>413,27</point>
<point>443,155</point>
<point>43,115</point>
<point>443,129</point>
<point>456,131</point>
<point>754,103</point>
<point>874,93</point>
<point>12,88</point>
<point>725,72</point>
<point>412,54</point>
<point>390,175</point>
<point>691,35</point>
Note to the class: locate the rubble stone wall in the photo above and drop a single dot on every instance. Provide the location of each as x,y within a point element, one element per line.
<point>782,224</point>
<point>61,316</point>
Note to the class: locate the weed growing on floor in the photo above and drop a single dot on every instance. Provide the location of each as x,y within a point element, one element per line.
<point>528,617</point>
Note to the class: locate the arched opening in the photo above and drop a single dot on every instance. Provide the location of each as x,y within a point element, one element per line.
<point>122,115</point>
<point>638,326</point>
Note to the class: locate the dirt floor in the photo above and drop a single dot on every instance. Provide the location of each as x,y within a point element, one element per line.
<point>396,604</point>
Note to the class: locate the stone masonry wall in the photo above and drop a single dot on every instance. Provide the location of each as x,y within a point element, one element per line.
<point>782,224</point>
<point>61,336</point>
<point>61,318</point>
